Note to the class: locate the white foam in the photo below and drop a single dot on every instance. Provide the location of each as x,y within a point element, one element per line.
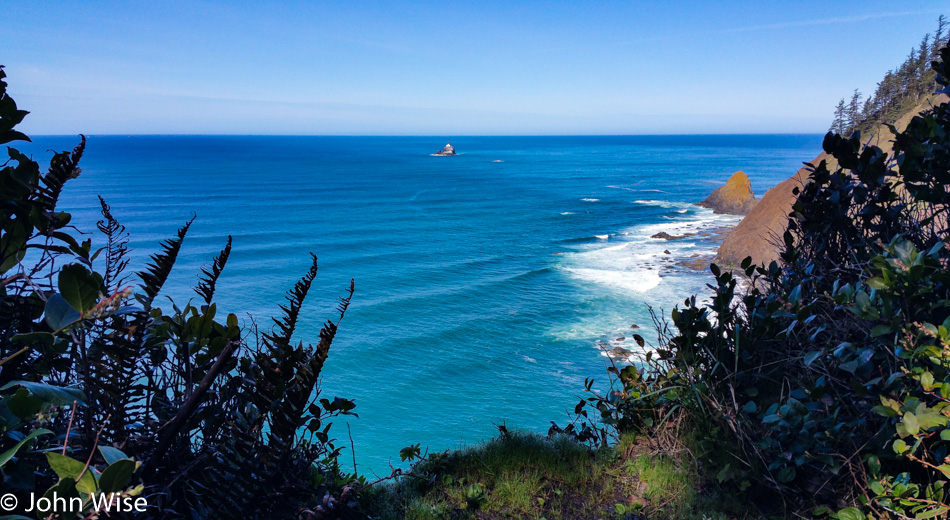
<point>632,357</point>
<point>635,262</point>
<point>638,281</point>
<point>590,200</point>
<point>666,204</point>
<point>567,213</point>
<point>617,282</point>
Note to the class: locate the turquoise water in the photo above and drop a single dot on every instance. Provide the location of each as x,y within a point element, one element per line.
<point>484,281</point>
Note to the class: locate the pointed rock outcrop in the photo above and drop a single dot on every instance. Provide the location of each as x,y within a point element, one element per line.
<point>759,235</point>
<point>733,198</point>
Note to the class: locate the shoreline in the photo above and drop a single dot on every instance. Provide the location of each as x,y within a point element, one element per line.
<point>617,349</point>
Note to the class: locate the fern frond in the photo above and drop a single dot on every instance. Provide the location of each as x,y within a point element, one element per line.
<point>235,462</point>
<point>280,339</point>
<point>206,283</point>
<point>62,167</point>
<point>118,385</point>
<point>283,387</point>
<point>344,302</point>
<point>299,393</point>
<point>156,273</point>
<point>117,247</point>
<point>287,416</point>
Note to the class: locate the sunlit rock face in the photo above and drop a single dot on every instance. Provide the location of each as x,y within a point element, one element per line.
<point>733,198</point>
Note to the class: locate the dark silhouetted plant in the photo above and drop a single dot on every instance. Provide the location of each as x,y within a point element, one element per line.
<point>102,390</point>
<point>825,380</point>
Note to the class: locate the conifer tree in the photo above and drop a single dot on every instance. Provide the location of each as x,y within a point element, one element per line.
<point>922,86</point>
<point>939,37</point>
<point>899,90</point>
<point>837,125</point>
<point>867,112</point>
<point>853,113</point>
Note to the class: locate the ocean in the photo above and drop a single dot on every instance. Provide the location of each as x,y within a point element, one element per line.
<point>485,282</point>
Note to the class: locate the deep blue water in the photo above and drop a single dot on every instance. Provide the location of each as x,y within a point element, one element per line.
<point>484,281</point>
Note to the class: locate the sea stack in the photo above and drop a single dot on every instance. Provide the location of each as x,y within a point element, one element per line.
<point>447,150</point>
<point>759,234</point>
<point>733,198</point>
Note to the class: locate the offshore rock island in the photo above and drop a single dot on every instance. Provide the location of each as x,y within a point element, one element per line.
<point>447,150</point>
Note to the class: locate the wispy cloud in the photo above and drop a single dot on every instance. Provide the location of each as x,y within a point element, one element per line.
<point>751,28</point>
<point>822,21</point>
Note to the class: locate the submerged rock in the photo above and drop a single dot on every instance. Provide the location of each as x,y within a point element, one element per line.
<point>696,262</point>
<point>733,198</point>
<point>619,352</point>
<point>666,236</point>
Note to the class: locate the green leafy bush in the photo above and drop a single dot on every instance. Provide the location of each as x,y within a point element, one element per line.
<point>102,390</point>
<point>825,380</point>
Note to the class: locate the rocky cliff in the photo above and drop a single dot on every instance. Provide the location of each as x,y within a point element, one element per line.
<point>734,198</point>
<point>759,235</point>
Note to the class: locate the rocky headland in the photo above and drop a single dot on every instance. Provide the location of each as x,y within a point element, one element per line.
<point>759,234</point>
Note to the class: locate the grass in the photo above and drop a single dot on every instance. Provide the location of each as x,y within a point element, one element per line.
<point>523,475</point>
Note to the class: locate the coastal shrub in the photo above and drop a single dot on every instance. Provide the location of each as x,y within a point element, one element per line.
<point>102,390</point>
<point>642,400</point>
<point>825,380</point>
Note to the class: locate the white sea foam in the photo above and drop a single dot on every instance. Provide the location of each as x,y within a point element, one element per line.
<point>637,264</point>
<point>627,280</point>
<point>602,237</point>
<point>666,204</point>
<point>567,213</point>
<point>588,199</point>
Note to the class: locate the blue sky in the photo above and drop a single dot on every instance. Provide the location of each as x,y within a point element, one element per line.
<point>437,68</point>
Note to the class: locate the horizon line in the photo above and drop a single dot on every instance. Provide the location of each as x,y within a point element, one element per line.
<point>442,136</point>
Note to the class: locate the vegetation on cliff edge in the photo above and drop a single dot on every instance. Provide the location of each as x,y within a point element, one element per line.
<point>823,387</point>
<point>900,90</point>
<point>104,391</point>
